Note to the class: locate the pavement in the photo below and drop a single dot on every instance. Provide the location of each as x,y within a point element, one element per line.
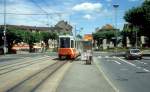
<point>125,75</point>
<point>84,78</point>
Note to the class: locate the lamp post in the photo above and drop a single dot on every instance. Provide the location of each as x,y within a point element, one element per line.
<point>115,10</point>
<point>4,31</point>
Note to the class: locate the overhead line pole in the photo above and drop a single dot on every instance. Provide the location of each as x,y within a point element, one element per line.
<point>4,31</point>
<point>115,7</point>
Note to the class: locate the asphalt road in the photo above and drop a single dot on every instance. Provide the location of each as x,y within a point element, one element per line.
<point>125,75</point>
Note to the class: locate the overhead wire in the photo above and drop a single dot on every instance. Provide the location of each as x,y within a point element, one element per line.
<point>25,13</point>
<point>36,4</point>
<point>37,14</point>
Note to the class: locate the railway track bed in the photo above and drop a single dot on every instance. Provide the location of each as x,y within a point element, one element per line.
<point>31,83</point>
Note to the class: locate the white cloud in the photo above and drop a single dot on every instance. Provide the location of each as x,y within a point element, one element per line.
<point>87,16</point>
<point>26,7</point>
<point>88,7</point>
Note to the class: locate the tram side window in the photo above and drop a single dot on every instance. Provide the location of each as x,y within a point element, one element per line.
<point>64,42</point>
<point>72,44</point>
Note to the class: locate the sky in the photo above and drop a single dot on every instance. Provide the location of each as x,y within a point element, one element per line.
<point>85,15</point>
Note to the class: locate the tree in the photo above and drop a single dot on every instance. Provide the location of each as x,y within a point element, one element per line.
<point>130,31</point>
<point>104,34</point>
<point>47,35</point>
<point>79,36</point>
<point>140,17</point>
<point>13,36</point>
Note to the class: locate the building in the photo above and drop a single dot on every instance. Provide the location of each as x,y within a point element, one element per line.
<point>107,37</point>
<point>132,36</point>
<point>62,27</point>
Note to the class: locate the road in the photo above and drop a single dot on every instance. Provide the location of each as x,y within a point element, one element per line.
<point>29,72</point>
<point>125,75</point>
<point>108,73</point>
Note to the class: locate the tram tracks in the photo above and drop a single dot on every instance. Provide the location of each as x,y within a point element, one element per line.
<point>7,63</point>
<point>18,65</point>
<point>31,83</point>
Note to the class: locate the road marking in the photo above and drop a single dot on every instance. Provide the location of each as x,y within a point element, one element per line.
<point>127,62</point>
<point>99,56</point>
<point>139,67</point>
<point>134,65</point>
<point>106,57</point>
<point>141,62</point>
<point>107,79</point>
<point>146,70</point>
<point>103,57</point>
<point>114,57</point>
<point>116,62</point>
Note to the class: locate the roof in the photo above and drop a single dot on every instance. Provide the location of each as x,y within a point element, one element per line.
<point>88,37</point>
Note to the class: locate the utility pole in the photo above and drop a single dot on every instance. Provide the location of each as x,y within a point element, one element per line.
<point>75,34</point>
<point>136,39</point>
<point>4,31</point>
<point>115,7</point>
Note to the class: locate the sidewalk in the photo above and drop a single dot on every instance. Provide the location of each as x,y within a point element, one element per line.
<point>84,78</point>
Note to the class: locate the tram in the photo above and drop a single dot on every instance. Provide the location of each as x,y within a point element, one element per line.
<point>67,47</point>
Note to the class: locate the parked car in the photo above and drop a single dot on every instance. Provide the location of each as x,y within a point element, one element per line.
<point>133,54</point>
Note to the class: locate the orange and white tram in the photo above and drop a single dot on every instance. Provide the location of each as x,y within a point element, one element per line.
<point>67,47</point>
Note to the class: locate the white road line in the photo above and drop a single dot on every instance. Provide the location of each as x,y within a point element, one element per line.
<point>106,57</point>
<point>127,62</point>
<point>99,56</point>
<point>146,70</point>
<point>134,65</point>
<point>141,62</point>
<point>139,67</point>
<point>114,57</point>
<point>105,76</point>
<point>116,62</point>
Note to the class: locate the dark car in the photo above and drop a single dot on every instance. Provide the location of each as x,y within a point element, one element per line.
<point>133,54</point>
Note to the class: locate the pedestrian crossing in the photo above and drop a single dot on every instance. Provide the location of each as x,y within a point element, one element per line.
<point>109,57</point>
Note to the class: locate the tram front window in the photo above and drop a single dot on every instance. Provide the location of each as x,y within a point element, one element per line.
<point>64,42</point>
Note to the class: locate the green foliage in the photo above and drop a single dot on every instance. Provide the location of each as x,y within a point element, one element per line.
<point>79,36</point>
<point>104,35</point>
<point>140,17</point>
<point>15,35</point>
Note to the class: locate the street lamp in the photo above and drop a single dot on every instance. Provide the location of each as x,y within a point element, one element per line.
<point>115,8</point>
<point>4,32</point>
